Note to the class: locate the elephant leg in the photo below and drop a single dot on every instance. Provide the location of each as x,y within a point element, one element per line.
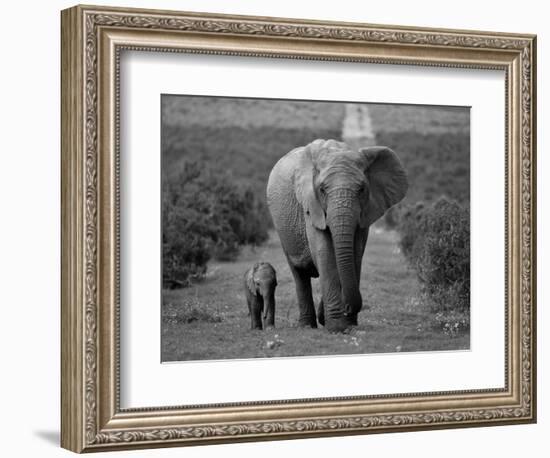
<point>333,317</point>
<point>269,320</point>
<point>321,312</point>
<point>360,244</point>
<point>305,298</point>
<point>256,306</point>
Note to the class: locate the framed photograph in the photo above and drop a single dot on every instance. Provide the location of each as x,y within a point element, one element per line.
<point>278,228</point>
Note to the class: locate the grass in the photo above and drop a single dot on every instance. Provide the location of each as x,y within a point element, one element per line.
<point>397,320</point>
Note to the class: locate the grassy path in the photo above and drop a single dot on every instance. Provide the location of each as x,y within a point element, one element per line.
<point>209,320</point>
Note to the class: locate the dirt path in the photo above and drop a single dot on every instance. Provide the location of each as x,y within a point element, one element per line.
<point>357,128</point>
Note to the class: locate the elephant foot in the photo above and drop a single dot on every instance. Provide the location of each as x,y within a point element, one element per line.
<point>307,322</point>
<point>339,325</point>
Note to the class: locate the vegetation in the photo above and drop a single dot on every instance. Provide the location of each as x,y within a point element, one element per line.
<point>248,153</point>
<point>435,239</point>
<point>433,220</point>
<point>188,311</point>
<point>205,214</point>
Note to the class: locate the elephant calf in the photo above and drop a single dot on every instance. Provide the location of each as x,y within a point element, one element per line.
<point>260,282</point>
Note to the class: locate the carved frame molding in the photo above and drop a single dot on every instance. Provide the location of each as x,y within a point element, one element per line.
<point>92,39</point>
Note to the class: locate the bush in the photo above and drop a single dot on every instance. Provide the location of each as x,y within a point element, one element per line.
<point>409,225</point>
<point>205,214</point>
<point>435,239</point>
<point>185,246</point>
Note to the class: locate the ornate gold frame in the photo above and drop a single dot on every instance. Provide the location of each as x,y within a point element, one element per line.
<point>92,38</point>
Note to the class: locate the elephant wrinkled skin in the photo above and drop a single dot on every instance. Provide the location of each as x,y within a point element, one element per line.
<point>323,197</point>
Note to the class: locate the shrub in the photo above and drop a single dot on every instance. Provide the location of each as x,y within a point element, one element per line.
<point>205,214</point>
<point>409,226</point>
<point>185,248</point>
<point>435,239</point>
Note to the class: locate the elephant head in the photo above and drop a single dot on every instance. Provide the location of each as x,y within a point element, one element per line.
<point>342,192</point>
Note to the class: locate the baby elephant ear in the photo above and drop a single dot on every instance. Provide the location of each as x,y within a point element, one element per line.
<point>387,181</point>
<point>250,280</point>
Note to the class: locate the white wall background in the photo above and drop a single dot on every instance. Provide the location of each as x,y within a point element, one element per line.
<point>29,234</point>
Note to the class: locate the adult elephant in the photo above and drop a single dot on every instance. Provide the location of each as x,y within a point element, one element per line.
<point>323,197</point>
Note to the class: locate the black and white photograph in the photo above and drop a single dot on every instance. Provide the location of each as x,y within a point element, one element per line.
<point>308,228</point>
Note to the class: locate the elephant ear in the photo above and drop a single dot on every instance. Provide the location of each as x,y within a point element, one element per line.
<point>250,280</point>
<point>304,177</point>
<point>387,181</point>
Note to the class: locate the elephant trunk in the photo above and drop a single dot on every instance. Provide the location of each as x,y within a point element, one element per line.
<point>343,225</point>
